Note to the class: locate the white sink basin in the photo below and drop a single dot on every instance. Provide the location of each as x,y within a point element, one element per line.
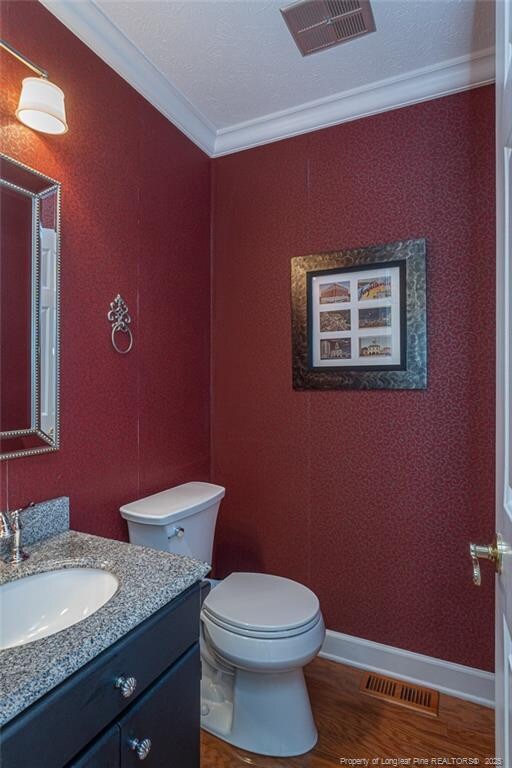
<point>40,605</point>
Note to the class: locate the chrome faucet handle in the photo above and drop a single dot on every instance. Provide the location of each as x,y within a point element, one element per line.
<point>10,528</point>
<point>6,531</point>
<point>15,515</point>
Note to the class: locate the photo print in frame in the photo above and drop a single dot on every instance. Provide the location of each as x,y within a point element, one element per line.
<point>359,318</point>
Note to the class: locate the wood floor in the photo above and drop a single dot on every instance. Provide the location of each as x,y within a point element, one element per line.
<point>353,725</point>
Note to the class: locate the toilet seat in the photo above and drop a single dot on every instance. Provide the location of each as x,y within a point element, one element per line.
<point>256,653</point>
<point>260,634</point>
<point>262,606</point>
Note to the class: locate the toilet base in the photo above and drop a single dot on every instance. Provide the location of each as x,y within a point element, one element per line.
<point>265,713</point>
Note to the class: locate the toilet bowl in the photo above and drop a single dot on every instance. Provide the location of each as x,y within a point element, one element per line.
<point>258,631</point>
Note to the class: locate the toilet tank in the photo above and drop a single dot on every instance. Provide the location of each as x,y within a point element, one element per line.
<point>181,519</point>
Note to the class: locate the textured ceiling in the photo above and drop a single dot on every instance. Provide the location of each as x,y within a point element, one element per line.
<point>236,61</point>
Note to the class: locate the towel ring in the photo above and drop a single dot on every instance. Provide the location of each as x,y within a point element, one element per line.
<point>120,319</point>
<point>130,343</point>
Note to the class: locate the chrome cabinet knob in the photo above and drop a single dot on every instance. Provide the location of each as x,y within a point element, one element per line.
<point>141,747</point>
<point>126,685</point>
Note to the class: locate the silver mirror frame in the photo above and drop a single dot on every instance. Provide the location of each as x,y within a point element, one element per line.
<point>51,443</point>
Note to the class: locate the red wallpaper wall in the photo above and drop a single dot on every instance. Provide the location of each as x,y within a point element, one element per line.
<point>370,498</point>
<point>136,210</point>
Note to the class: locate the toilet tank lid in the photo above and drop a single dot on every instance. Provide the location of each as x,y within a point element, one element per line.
<point>171,505</point>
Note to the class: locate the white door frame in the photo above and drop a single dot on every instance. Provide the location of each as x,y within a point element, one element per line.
<point>503,676</point>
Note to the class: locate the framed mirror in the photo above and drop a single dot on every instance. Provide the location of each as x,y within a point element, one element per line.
<point>29,310</point>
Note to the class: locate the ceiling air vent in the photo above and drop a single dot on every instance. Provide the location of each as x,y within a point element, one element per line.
<point>319,24</point>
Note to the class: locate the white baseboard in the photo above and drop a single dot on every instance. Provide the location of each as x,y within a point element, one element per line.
<point>453,679</point>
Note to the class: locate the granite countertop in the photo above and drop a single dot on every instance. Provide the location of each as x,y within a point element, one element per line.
<point>148,579</point>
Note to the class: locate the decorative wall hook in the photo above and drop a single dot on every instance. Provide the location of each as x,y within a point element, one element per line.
<point>120,319</point>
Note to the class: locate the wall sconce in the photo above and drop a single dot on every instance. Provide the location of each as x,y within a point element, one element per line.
<point>41,104</point>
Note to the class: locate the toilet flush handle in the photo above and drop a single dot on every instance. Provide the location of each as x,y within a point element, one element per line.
<point>178,531</point>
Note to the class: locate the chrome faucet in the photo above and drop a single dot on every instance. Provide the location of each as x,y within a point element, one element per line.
<point>10,530</point>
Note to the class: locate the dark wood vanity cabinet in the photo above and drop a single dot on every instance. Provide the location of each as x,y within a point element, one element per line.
<point>86,722</point>
<point>104,752</point>
<point>167,715</point>
<point>171,720</point>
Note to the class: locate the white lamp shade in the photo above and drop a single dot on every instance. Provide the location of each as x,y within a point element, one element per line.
<point>41,106</point>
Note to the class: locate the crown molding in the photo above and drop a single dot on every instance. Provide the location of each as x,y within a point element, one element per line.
<point>88,22</point>
<point>451,76</point>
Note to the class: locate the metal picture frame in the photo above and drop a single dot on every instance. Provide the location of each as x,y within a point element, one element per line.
<point>48,442</point>
<point>400,361</point>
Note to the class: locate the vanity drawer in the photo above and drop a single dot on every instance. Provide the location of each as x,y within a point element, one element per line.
<point>57,726</point>
<point>168,715</point>
<point>103,753</point>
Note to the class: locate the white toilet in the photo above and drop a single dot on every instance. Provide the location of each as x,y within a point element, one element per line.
<point>257,631</point>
